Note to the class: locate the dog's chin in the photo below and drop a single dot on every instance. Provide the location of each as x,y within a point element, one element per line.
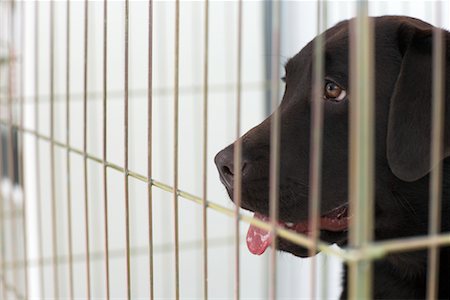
<point>339,238</point>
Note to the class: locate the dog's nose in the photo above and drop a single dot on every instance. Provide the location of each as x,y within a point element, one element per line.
<point>225,164</point>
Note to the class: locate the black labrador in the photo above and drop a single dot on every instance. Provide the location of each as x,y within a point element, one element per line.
<point>403,93</point>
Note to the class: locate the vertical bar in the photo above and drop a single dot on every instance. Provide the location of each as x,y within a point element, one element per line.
<point>175,146</point>
<point>205,152</point>
<point>2,203</point>
<point>2,212</point>
<point>149,145</point>
<point>2,199</point>
<point>22,150</point>
<point>267,23</point>
<point>274,146</point>
<point>37,152</point>
<point>86,199</point>
<point>437,137</point>
<point>237,185</point>
<point>361,149</point>
<point>105,142</point>
<point>315,174</point>
<point>10,148</point>
<point>68,178</point>
<point>52,152</point>
<point>127,213</point>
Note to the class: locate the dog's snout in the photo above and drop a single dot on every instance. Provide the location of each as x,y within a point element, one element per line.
<point>225,164</point>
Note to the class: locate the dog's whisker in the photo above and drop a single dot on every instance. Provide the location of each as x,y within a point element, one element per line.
<point>405,203</point>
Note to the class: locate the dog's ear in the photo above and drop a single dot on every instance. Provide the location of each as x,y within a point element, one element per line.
<point>409,124</point>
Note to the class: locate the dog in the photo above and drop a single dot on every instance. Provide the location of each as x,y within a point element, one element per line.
<point>403,49</point>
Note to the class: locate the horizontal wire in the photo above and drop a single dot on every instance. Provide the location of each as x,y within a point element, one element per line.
<point>374,250</point>
<point>284,233</point>
<point>380,249</point>
<point>16,213</point>
<point>118,253</point>
<point>118,94</point>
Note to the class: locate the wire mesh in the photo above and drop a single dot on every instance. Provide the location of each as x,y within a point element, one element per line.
<point>359,256</point>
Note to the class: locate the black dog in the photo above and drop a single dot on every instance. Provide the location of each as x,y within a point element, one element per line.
<point>403,85</point>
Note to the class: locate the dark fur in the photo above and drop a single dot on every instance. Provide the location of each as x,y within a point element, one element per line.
<point>403,48</point>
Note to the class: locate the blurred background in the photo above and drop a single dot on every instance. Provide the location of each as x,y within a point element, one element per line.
<point>26,60</point>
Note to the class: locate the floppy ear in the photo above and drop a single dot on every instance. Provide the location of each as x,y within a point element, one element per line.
<point>409,123</point>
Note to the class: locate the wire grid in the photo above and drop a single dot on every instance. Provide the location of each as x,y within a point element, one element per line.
<point>359,255</point>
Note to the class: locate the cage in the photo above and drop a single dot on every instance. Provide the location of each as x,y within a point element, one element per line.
<point>111,113</point>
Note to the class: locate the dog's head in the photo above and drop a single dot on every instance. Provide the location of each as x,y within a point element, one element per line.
<point>403,60</point>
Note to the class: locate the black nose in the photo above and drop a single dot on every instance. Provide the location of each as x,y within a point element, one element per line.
<point>225,164</point>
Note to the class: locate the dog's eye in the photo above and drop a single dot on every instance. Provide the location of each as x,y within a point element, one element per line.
<point>334,92</point>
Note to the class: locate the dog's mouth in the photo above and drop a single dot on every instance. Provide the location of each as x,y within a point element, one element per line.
<point>258,239</point>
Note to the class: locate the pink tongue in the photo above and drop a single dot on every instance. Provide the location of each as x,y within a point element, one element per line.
<point>258,239</point>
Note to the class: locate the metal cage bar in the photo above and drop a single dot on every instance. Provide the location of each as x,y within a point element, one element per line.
<point>68,167</point>
<point>175,146</point>
<point>52,153</point>
<point>21,151</point>
<point>437,137</point>
<point>4,278</point>
<point>37,147</point>
<point>126,171</point>
<point>361,149</point>
<point>237,158</point>
<point>316,140</point>
<point>11,172</point>
<point>85,168</point>
<point>150,147</point>
<point>205,151</point>
<point>105,144</point>
<point>274,169</point>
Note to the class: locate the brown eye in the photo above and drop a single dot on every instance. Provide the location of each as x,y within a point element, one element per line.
<point>334,92</point>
